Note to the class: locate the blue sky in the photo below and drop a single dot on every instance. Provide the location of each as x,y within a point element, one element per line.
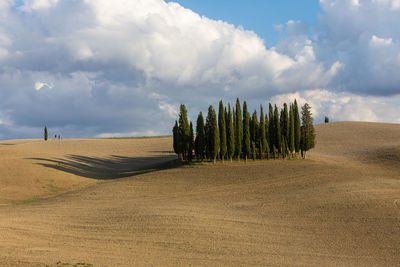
<point>257,15</point>
<point>89,68</point>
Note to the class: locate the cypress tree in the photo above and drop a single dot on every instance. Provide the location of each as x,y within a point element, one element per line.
<point>271,130</point>
<point>267,147</point>
<point>175,137</point>
<point>212,134</point>
<point>307,130</point>
<point>234,122</point>
<point>254,131</point>
<point>222,130</point>
<point>277,132</point>
<point>184,133</point>
<point>251,128</point>
<point>238,130</point>
<point>284,147</point>
<point>230,135</point>
<point>326,119</point>
<point>200,143</point>
<point>291,130</point>
<point>297,130</point>
<point>246,131</point>
<point>191,144</point>
<point>285,122</point>
<point>267,151</point>
<point>253,150</point>
<point>46,134</point>
<point>274,154</point>
<point>281,123</point>
<point>226,120</point>
<point>262,135</point>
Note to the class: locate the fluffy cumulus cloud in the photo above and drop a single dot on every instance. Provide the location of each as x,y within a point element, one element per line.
<point>112,68</point>
<point>339,106</point>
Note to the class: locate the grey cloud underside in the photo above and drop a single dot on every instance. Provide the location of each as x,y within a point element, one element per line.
<point>87,68</point>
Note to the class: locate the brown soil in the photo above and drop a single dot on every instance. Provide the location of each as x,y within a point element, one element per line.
<point>340,207</point>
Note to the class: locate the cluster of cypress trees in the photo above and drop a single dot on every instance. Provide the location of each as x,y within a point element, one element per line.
<point>236,134</point>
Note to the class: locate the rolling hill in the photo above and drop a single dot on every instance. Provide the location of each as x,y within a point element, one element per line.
<point>112,203</point>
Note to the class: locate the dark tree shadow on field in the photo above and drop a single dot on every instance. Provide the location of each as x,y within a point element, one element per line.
<point>113,167</point>
<point>164,152</point>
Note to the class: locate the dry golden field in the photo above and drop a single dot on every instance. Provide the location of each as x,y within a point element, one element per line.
<point>113,202</point>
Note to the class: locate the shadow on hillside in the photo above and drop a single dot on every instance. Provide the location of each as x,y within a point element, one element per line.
<point>113,167</point>
<point>386,156</point>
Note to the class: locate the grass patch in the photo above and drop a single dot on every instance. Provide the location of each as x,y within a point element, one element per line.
<point>79,264</point>
<point>29,201</point>
<point>206,162</point>
<point>138,137</point>
<point>55,189</point>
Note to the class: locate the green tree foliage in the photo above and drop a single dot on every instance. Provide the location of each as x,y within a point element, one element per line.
<point>285,122</point>
<point>235,133</point>
<point>191,143</point>
<point>253,150</point>
<point>291,131</point>
<point>234,123</point>
<point>212,134</point>
<point>254,128</point>
<point>230,135</point>
<point>184,133</point>
<point>226,119</point>
<point>297,130</point>
<point>262,144</point>
<point>326,119</point>
<point>284,147</point>
<point>271,130</point>
<point>246,132</point>
<point>277,132</point>
<point>222,130</point>
<point>46,134</point>
<point>175,132</point>
<point>267,128</point>
<point>200,143</point>
<point>307,130</point>
<point>239,130</point>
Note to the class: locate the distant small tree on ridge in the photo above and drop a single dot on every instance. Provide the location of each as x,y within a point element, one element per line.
<point>46,134</point>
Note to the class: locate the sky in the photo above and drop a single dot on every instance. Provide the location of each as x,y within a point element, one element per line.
<point>100,68</point>
<point>260,16</point>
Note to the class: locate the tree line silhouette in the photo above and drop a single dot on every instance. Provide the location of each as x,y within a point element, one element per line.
<point>236,134</point>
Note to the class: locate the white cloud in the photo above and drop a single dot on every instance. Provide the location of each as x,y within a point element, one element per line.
<point>3,52</point>
<point>117,62</point>
<point>395,4</point>
<point>278,27</point>
<point>40,85</point>
<point>345,106</point>
<point>355,3</point>
<point>30,5</point>
<point>380,41</point>
<point>171,110</point>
